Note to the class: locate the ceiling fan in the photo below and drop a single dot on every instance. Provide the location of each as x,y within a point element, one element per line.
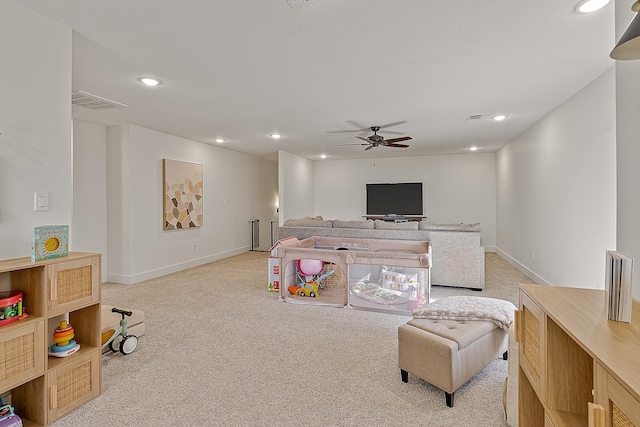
<point>376,140</point>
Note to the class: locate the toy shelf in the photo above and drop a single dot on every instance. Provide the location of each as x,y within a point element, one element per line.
<point>44,388</point>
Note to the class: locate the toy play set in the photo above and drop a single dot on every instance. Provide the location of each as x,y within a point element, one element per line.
<point>310,273</point>
<point>391,276</point>
<point>7,416</point>
<point>11,307</point>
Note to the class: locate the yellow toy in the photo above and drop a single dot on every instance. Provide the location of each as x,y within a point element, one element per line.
<point>64,344</point>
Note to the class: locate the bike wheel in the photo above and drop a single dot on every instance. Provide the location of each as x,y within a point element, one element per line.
<point>128,344</point>
<point>115,344</point>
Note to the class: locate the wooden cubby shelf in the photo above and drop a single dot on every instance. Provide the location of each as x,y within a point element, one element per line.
<point>577,368</point>
<point>40,387</point>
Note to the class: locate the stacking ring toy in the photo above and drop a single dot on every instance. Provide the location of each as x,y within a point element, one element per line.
<point>63,345</point>
<point>62,348</point>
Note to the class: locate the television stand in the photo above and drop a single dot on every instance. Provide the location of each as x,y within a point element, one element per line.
<point>395,218</point>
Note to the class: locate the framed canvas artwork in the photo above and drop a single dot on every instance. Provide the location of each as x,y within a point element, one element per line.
<point>182,194</point>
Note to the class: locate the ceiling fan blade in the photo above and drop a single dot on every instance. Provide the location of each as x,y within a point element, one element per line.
<point>344,145</point>
<point>347,131</point>
<point>364,139</point>
<point>388,125</point>
<point>368,148</point>
<point>404,138</point>
<point>359,128</point>
<point>398,145</point>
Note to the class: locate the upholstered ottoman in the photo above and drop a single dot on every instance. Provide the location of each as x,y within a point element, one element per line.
<point>451,340</point>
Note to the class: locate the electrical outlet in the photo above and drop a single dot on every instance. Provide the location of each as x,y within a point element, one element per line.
<point>502,240</point>
<point>227,202</point>
<point>194,246</point>
<point>533,255</point>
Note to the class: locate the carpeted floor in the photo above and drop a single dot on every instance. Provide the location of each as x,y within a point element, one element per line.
<point>220,350</point>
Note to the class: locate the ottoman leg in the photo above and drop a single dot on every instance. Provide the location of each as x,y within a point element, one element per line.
<point>449,398</point>
<point>505,355</point>
<point>404,375</point>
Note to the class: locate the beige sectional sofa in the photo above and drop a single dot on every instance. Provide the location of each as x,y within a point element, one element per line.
<point>457,252</point>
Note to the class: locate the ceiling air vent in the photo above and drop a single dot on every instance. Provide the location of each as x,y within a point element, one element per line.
<point>85,99</point>
<point>296,3</point>
<point>474,117</point>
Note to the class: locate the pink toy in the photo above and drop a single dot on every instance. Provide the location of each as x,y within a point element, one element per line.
<point>309,267</point>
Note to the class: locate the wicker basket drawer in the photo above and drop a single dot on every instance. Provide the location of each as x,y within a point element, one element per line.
<point>622,409</point>
<point>22,352</point>
<point>72,284</point>
<point>73,384</point>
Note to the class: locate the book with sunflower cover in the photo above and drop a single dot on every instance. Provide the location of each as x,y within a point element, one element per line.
<point>49,241</point>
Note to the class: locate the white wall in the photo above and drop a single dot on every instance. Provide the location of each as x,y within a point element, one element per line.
<point>295,181</point>
<point>35,125</point>
<point>89,223</point>
<point>628,151</point>
<point>138,247</point>
<point>556,191</point>
<point>119,268</point>
<point>457,188</point>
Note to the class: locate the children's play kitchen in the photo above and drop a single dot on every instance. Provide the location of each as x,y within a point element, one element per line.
<point>50,337</point>
<point>391,276</point>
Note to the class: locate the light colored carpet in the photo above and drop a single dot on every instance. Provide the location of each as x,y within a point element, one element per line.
<point>220,350</point>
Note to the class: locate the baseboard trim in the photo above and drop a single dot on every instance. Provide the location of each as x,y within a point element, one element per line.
<point>525,270</point>
<point>152,274</point>
<point>489,248</point>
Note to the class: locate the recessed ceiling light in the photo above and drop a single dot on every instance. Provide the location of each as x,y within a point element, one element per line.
<point>323,156</point>
<point>220,140</point>
<point>276,136</point>
<point>149,81</point>
<point>499,117</point>
<point>474,148</point>
<point>587,6</point>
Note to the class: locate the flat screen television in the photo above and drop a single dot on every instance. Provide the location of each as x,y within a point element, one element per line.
<point>400,199</point>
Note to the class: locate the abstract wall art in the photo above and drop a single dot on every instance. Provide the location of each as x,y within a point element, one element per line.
<point>182,194</point>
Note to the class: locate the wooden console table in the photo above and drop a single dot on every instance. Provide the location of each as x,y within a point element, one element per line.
<point>395,218</point>
<point>577,368</point>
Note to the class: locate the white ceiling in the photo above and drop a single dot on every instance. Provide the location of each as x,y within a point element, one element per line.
<point>241,70</point>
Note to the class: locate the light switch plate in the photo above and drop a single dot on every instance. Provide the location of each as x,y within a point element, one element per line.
<point>40,201</point>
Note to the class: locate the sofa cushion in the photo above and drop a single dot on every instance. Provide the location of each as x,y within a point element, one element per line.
<point>308,222</point>
<point>388,225</point>
<point>424,225</point>
<point>368,224</point>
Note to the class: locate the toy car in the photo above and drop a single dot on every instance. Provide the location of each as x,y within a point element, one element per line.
<point>308,289</point>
